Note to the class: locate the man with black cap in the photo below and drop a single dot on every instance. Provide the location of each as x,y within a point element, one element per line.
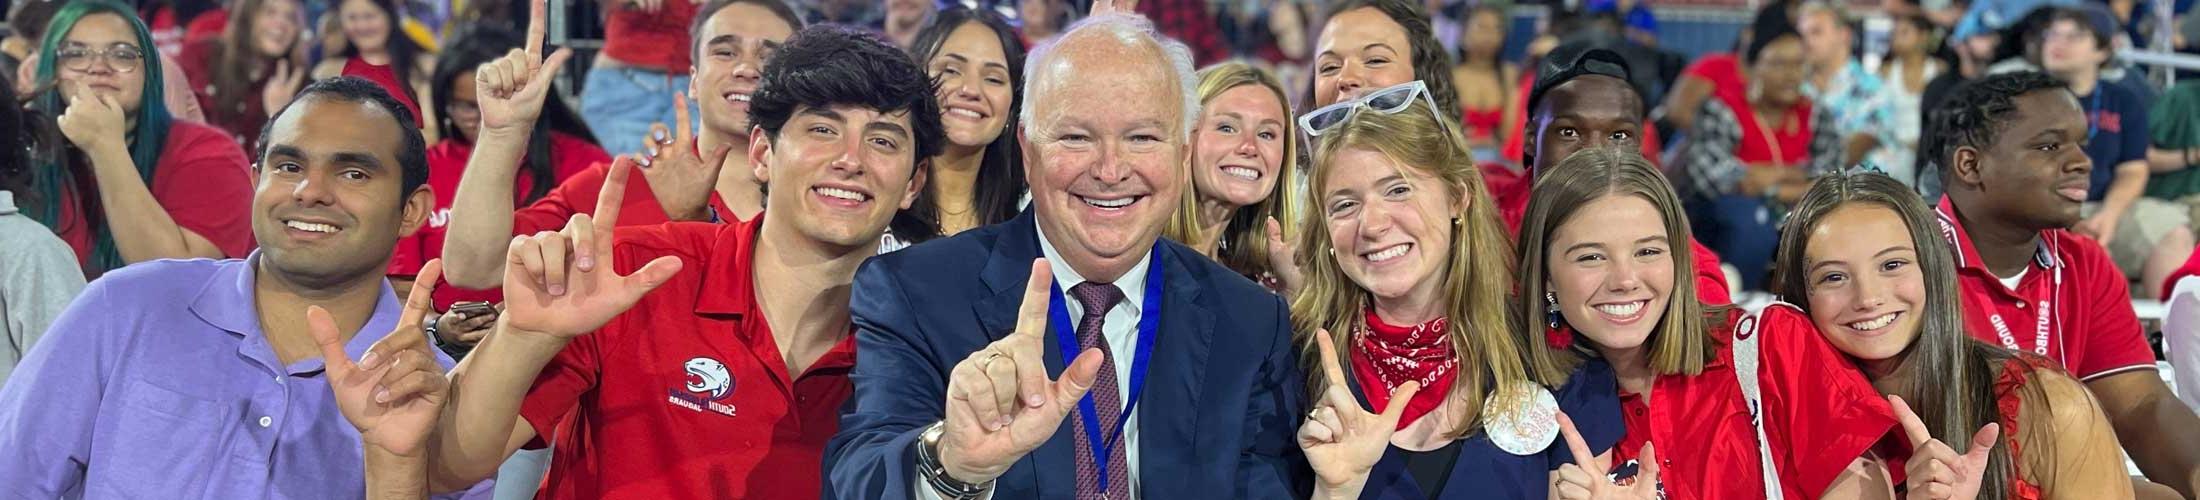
<point>1582,100</point>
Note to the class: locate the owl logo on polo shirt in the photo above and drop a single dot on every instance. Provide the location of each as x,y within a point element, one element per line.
<point>708,382</point>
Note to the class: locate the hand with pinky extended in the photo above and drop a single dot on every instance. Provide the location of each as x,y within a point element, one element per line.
<point>1342,440</point>
<point>682,177</point>
<point>1000,404</point>
<point>1586,479</point>
<point>395,392</point>
<point>1934,470</point>
<point>560,284</point>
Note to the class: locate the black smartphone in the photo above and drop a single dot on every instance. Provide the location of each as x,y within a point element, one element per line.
<point>473,309</point>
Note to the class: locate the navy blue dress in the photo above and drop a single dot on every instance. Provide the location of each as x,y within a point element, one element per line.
<point>1482,470</point>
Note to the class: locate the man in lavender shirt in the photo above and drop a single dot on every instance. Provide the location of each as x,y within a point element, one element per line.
<point>201,378</point>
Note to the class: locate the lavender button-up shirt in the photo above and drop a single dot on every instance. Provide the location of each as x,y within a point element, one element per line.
<point>158,383</point>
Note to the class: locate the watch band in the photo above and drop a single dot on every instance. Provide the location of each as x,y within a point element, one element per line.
<point>935,474</point>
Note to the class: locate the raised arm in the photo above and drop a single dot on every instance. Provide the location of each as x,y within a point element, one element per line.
<point>512,89</point>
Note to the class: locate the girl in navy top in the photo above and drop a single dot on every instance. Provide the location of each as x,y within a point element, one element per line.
<point>1404,310</point>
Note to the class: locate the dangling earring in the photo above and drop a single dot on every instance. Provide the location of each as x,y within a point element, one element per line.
<point>1557,334</point>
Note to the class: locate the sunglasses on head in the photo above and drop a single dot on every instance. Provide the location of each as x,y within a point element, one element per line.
<point>1388,100</point>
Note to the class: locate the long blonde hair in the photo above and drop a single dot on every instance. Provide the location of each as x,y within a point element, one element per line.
<point>1478,275</point>
<point>1244,241</point>
<point>1681,343</point>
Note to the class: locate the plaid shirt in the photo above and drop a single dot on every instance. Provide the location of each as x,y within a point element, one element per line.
<point>1188,21</point>
<point>1713,160</point>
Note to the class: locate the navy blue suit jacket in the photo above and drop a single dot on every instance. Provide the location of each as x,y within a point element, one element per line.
<point>1220,409</point>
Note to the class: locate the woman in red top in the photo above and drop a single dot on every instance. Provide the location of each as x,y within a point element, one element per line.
<point>132,184</point>
<point>560,146</point>
<point>376,48</point>
<point>1597,264</point>
<point>253,68</point>
<point>1867,258</point>
<point>1485,80</point>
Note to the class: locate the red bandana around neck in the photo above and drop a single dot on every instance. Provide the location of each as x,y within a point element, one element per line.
<point>1390,355</point>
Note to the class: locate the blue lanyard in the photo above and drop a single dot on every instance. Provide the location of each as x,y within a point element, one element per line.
<point>2093,114</point>
<point>1149,323</point>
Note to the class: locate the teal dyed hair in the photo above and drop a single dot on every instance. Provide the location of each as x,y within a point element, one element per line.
<point>56,174</point>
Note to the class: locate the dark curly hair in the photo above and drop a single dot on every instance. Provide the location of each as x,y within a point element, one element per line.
<point>829,64</point>
<point>1974,113</point>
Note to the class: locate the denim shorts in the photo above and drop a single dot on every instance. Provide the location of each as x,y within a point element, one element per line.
<point>620,103</point>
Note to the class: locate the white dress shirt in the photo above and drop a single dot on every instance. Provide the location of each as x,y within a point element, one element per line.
<point>1121,329</point>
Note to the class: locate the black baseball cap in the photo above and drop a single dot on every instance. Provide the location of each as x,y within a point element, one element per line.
<point>1575,59</point>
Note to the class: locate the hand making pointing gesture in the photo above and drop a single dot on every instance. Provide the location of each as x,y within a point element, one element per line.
<point>511,88</point>
<point>1585,479</point>
<point>1934,470</point>
<point>394,394</point>
<point>560,283</point>
<point>1342,440</point>
<point>1000,404</point>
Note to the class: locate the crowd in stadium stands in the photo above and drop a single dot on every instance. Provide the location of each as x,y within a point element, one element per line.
<point>926,249</point>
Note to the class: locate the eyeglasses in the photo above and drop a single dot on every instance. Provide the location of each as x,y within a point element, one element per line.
<point>1388,100</point>
<point>123,58</point>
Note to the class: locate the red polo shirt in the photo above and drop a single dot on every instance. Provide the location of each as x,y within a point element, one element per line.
<point>1820,413</point>
<point>446,166</point>
<point>577,195</point>
<point>685,395</point>
<point>2088,325</point>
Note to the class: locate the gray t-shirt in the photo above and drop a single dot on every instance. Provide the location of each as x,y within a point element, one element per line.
<point>38,277</point>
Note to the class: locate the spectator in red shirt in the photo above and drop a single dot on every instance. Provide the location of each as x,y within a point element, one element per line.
<point>686,179</point>
<point>729,379</point>
<point>254,67</point>
<point>558,147</point>
<point>2016,175</point>
<point>1374,44</point>
<point>640,67</point>
<point>1599,269</point>
<point>375,48</point>
<point>1862,255</point>
<point>132,184</point>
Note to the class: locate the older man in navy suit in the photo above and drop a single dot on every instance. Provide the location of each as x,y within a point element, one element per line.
<point>1070,352</point>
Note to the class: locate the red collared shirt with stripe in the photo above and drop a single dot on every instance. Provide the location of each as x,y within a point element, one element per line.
<point>2090,327</point>
<point>686,395</point>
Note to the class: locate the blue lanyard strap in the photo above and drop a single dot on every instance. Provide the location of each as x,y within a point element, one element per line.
<point>1149,324</point>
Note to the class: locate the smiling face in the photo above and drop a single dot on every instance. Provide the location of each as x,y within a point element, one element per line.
<point>734,43</point>
<point>1105,179</point>
<point>1865,284</point>
<point>327,203</point>
<point>2036,171</point>
<point>1390,225</point>
<point>975,87</point>
<point>121,78</point>
<point>275,27</point>
<point>1239,146</point>
<point>839,173</point>
<point>365,25</point>
<point>1611,270</point>
<point>1360,50</point>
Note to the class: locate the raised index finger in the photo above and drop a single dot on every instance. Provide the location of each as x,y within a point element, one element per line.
<point>1911,425</point>
<point>608,202</point>
<point>1582,456</point>
<point>537,20</point>
<point>422,298</point>
<point>333,357</point>
<point>1031,318</point>
<point>1331,371</point>
<point>686,129</point>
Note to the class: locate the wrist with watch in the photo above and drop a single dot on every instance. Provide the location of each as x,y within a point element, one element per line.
<point>935,474</point>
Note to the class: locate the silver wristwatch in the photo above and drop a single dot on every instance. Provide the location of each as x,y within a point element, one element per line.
<point>935,474</point>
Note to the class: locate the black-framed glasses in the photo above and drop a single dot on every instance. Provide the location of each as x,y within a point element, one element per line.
<point>122,57</point>
<point>1388,100</point>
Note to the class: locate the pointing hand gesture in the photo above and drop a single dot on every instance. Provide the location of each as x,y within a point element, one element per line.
<point>1000,404</point>
<point>511,88</point>
<point>560,283</point>
<point>393,394</point>
<point>1585,479</point>
<point>1342,440</point>
<point>1935,471</point>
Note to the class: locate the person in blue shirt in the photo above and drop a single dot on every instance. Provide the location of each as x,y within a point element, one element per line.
<point>2148,238</point>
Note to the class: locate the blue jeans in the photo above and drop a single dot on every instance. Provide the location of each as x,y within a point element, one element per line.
<point>1742,230</point>
<point>620,103</point>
